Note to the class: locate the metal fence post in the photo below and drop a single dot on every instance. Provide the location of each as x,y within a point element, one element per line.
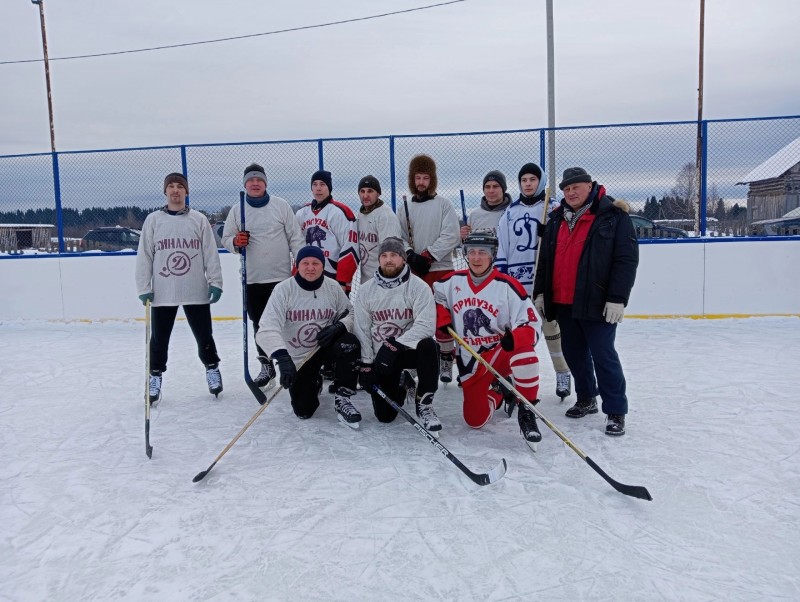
<point>184,168</point>
<point>320,154</point>
<point>59,215</point>
<point>392,174</point>
<point>542,162</point>
<point>703,177</point>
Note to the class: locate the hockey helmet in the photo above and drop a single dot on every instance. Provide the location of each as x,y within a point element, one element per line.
<point>486,240</point>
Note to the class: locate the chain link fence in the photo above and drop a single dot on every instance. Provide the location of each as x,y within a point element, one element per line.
<point>95,201</point>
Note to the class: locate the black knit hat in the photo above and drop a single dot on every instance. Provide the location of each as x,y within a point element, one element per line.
<point>370,182</point>
<point>309,251</point>
<point>530,168</point>
<point>177,178</point>
<point>496,176</point>
<point>324,176</point>
<point>254,170</point>
<point>573,175</point>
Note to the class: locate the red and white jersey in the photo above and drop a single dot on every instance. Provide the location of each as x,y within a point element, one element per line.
<point>481,313</point>
<point>332,228</point>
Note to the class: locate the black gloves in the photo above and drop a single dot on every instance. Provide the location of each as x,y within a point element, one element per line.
<point>367,377</point>
<point>387,355</point>
<point>330,333</point>
<point>286,366</point>
<point>419,264</point>
<point>507,340</point>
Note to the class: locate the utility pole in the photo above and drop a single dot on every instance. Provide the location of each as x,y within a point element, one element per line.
<point>40,3</point>
<point>699,156</point>
<point>551,104</point>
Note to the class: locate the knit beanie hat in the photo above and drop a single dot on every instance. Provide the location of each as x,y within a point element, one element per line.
<point>495,176</point>
<point>370,182</point>
<point>309,251</point>
<point>573,175</point>
<point>325,176</point>
<point>254,170</point>
<point>392,244</point>
<point>530,168</point>
<point>176,178</point>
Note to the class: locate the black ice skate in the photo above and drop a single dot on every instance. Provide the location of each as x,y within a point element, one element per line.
<point>346,412</point>
<point>528,427</point>
<point>445,367</point>
<point>266,378</point>
<point>427,417</point>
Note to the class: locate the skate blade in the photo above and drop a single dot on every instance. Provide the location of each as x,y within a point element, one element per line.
<point>533,445</point>
<point>352,425</point>
<point>269,386</point>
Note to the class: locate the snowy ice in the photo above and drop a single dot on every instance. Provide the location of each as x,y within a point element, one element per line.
<point>312,510</point>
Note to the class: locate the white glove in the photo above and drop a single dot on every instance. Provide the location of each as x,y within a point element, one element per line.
<point>614,312</point>
<point>538,303</point>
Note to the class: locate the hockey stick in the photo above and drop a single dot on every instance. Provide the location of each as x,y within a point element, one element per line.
<point>463,207</point>
<point>636,491</point>
<point>408,224</point>
<point>487,478</point>
<point>148,449</point>
<point>202,474</point>
<point>254,388</point>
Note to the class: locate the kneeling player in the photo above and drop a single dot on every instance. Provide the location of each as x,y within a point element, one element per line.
<point>493,314</point>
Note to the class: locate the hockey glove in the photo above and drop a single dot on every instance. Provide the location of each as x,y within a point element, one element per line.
<point>286,367</point>
<point>614,312</point>
<point>214,294</point>
<point>367,377</point>
<point>507,340</point>
<point>387,355</point>
<point>419,264</point>
<point>328,335</point>
<point>242,239</point>
<point>145,298</point>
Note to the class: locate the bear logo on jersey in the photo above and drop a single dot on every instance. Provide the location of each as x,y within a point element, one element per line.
<point>474,320</point>
<point>315,234</point>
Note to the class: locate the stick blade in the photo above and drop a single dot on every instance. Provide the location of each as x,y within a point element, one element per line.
<point>202,474</point>
<point>491,477</point>
<point>636,491</point>
<point>149,451</point>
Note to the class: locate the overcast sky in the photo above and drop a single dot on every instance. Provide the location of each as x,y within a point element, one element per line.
<point>475,65</point>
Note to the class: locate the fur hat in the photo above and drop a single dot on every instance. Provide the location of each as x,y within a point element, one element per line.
<point>370,182</point>
<point>573,175</point>
<point>392,244</point>
<point>309,251</point>
<point>254,170</point>
<point>422,164</point>
<point>177,178</point>
<point>325,176</point>
<point>496,176</point>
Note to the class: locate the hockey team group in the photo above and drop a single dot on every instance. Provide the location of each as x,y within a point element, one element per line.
<point>563,270</point>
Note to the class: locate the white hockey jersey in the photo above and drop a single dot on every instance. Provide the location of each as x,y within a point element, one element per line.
<point>480,314</point>
<point>434,226</point>
<point>333,228</point>
<point>374,227</point>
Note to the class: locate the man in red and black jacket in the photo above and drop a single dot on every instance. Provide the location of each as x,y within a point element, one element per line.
<point>586,271</point>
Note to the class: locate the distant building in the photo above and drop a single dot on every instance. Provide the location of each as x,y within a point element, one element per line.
<point>16,237</point>
<point>774,186</point>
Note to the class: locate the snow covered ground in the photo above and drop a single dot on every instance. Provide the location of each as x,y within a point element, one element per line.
<point>311,510</point>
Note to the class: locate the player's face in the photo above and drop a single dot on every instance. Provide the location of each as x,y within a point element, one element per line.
<point>310,268</point>
<point>422,181</point>
<point>391,263</point>
<point>319,190</point>
<point>528,184</point>
<point>176,195</point>
<point>493,193</point>
<point>576,194</point>
<point>368,197</point>
<point>479,259</point>
<point>255,187</point>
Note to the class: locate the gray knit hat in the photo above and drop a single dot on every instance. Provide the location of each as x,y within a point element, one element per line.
<point>254,170</point>
<point>573,175</point>
<point>392,244</point>
<point>496,176</point>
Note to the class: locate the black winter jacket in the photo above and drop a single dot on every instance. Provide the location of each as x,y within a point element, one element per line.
<point>608,262</point>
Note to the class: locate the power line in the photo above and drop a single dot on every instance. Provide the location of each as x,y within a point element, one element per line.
<point>229,39</point>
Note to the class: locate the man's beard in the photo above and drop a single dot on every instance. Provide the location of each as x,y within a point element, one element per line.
<point>392,271</point>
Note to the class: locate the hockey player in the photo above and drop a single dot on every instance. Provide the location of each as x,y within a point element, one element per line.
<point>332,227</point>
<point>431,232</point>
<point>272,235</point>
<point>395,321</point>
<point>494,315</point>
<point>494,201</point>
<point>305,311</point>
<point>376,223</point>
<point>518,241</point>
<point>177,264</point>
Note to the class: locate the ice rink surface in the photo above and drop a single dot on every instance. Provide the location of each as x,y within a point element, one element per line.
<point>311,510</point>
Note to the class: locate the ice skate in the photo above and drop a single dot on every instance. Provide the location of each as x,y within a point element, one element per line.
<point>428,418</point>
<point>214,379</point>
<point>266,378</point>
<point>155,387</point>
<point>346,412</point>
<point>445,367</point>
<point>563,384</point>
<point>528,427</point>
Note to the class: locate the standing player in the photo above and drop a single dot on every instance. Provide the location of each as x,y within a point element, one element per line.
<point>494,201</point>
<point>518,242</point>
<point>494,315</point>
<point>331,227</point>
<point>395,321</point>
<point>177,264</point>
<point>272,235</point>
<point>431,231</point>
<point>376,223</point>
<point>304,311</point>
